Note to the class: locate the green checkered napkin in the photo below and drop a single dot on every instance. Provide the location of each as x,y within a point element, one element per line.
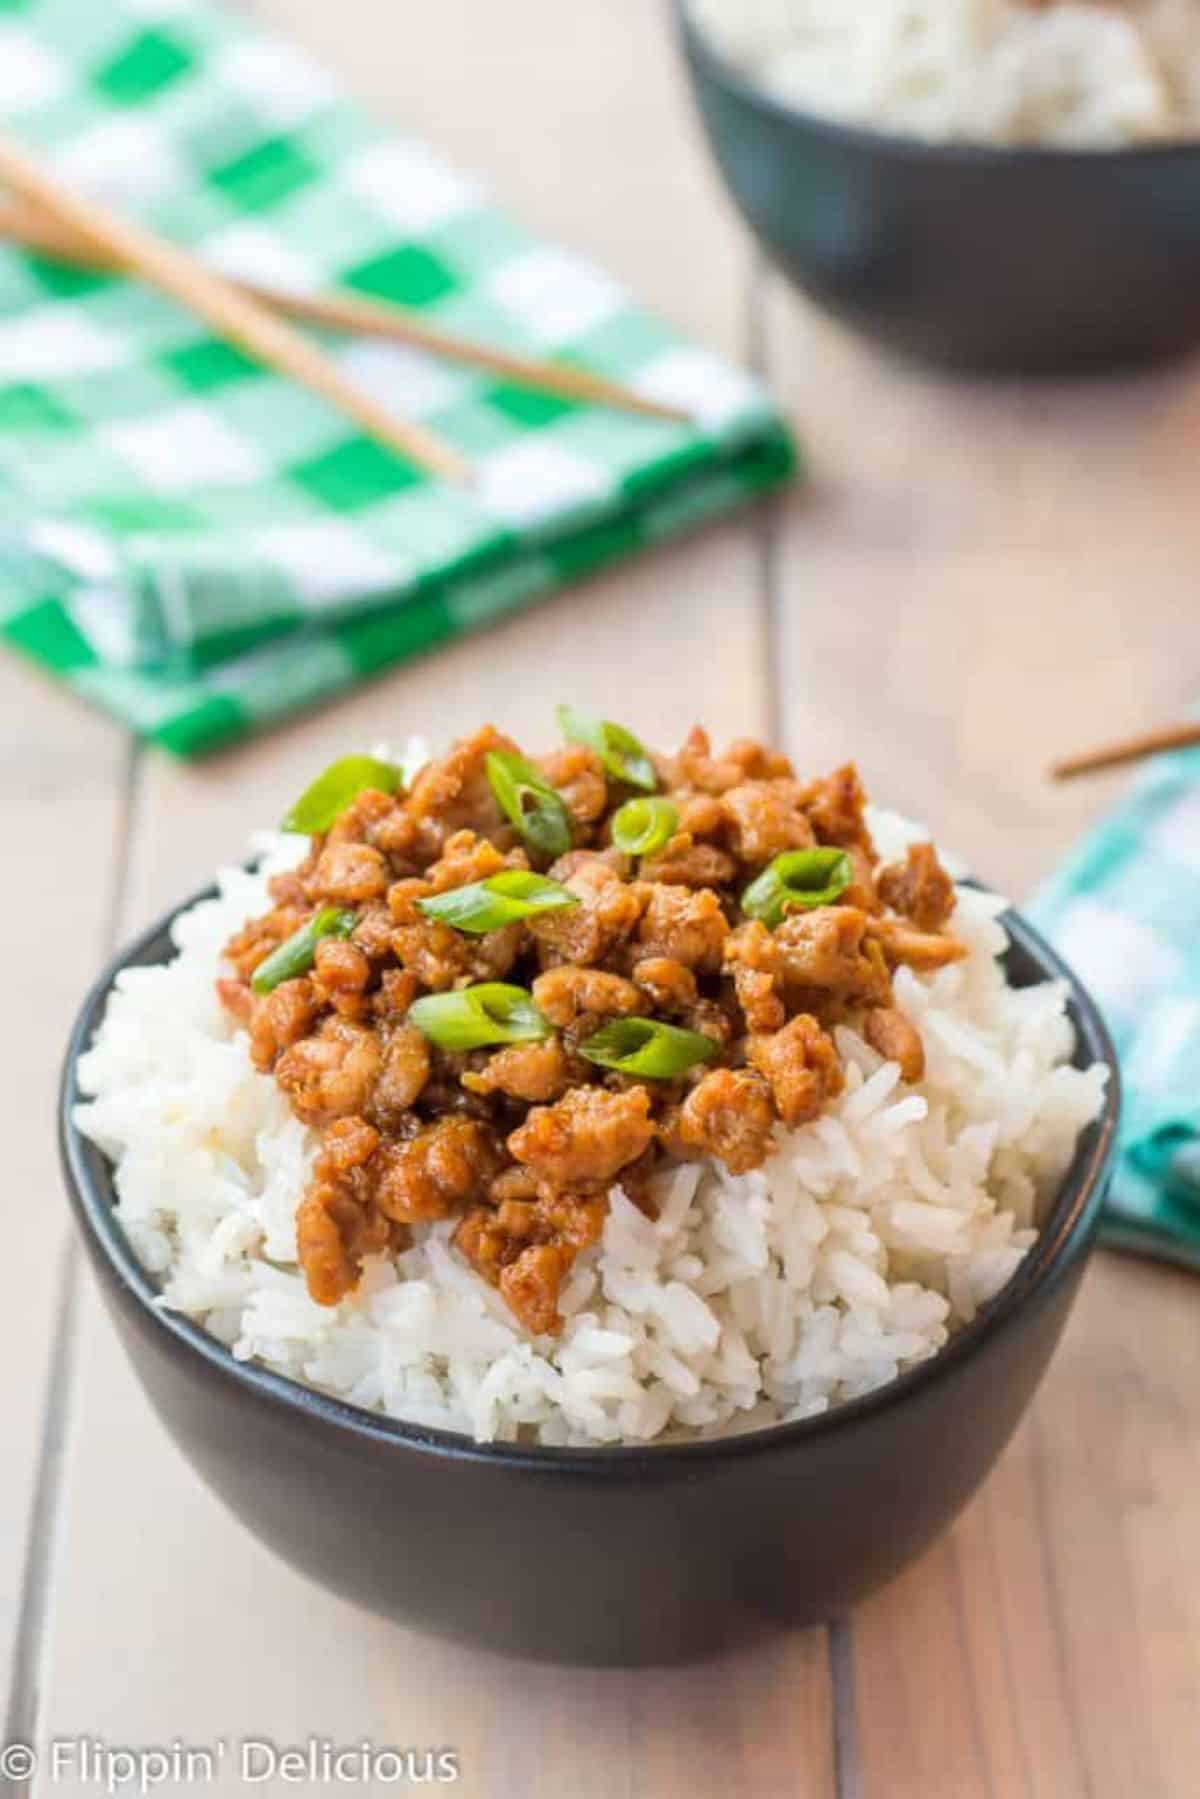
<point>201,547</point>
<point>1125,912</point>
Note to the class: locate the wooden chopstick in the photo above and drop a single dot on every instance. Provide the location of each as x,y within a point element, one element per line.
<point>36,230</point>
<point>234,315</point>
<point>1132,749</point>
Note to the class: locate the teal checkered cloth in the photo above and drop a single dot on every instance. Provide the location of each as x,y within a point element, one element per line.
<point>201,547</point>
<point>1125,912</point>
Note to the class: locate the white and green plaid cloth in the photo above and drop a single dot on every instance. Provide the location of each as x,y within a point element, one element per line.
<point>1125,912</point>
<point>201,547</point>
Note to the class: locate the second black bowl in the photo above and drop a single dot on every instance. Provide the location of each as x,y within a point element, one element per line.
<point>974,257</point>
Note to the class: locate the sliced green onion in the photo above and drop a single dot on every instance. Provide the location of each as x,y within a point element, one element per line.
<point>529,803</point>
<point>501,899</point>
<point>646,1047</point>
<point>475,1017</point>
<point>619,750</point>
<point>320,805</point>
<point>642,826</point>
<point>296,955</point>
<point>797,881</point>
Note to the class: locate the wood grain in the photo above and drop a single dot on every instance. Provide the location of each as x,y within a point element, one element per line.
<point>985,577</point>
<point>1049,1645</point>
<point>982,577</point>
<point>675,636</point>
<point>171,1619</point>
<point>578,118</point>
<point>61,781</point>
<point>520,1730</point>
<point>977,579</point>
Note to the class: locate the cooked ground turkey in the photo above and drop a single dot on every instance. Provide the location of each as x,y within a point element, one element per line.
<point>523,1143</point>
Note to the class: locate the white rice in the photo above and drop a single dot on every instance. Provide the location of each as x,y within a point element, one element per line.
<point>1087,73</point>
<point>853,1254</point>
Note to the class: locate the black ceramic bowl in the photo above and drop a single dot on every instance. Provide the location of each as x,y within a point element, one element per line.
<point>605,1555</point>
<point>992,259</point>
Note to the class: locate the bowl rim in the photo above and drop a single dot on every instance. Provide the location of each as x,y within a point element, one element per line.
<point>1065,1231</point>
<point>699,47</point>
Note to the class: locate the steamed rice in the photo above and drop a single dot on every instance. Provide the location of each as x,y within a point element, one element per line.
<point>1080,72</point>
<point>865,1240</point>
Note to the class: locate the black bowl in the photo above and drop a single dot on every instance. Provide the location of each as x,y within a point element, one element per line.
<point>991,259</point>
<point>605,1555</point>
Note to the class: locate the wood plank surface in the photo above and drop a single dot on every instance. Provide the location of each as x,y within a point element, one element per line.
<point>977,578</point>
<point>576,117</point>
<point>61,781</point>
<point>125,1545</point>
<point>981,577</point>
<point>678,635</point>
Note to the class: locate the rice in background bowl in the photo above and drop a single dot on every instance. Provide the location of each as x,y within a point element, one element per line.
<point>1072,73</point>
<point>868,1237</point>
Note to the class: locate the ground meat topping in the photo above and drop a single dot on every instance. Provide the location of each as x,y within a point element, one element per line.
<point>925,951</point>
<point>695,766</point>
<point>454,794</point>
<point>728,1114</point>
<point>578,775</point>
<point>836,807</point>
<point>669,986</point>
<point>897,1039</point>
<point>753,958</point>
<point>919,887</point>
<point>338,1223</point>
<point>434,1174</point>
<point>765,819</point>
<point>531,1071</point>
<point>532,1283</point>
<point>526,1248</point>
<point>685,863</point>
<point>829,949</point>
<point>683,926</point>
<point>863,890</point>
<point>279,1019</point>
<point>404,1072</point>
<point>571,997</point>
<point>608,911</point>
<point>341,974</point>
<point>331,1074</point>
<point>702,814</point>
<point>257,940</point>
<point>801,1066</point>
<point>586,1137</point>
<point>437,955</point>
<point>348,874</point>
<point>521,1141</point>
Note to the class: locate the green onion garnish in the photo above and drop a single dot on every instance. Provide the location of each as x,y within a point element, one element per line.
<point>296,955</point>
<point>797,881</point>
<point>642,826</point>
<point>320,805</point>
<point>500,900</point>
<point>475,1017</point>
<point>646,1047</point>
<point>529,803</point>
<point>619,750</point>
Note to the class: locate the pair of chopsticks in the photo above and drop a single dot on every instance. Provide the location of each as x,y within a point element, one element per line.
<point>52,219</point>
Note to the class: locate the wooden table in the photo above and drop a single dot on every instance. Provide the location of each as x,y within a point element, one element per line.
<point>974,578</point>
